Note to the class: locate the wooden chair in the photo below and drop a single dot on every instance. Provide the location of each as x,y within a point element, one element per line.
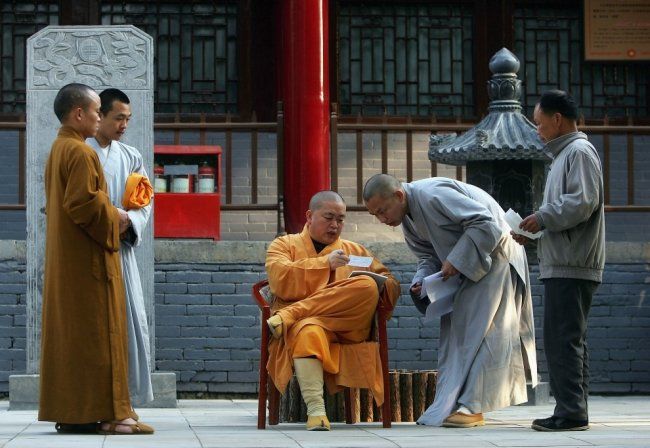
<point>263,297</point>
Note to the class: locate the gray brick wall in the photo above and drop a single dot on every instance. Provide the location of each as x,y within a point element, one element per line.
<point>207,327</point>
<point>12,320</point>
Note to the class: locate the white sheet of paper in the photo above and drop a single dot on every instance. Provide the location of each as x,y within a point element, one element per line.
<point>513,219</point>
<point>361,262</point>
<point>440,293</point>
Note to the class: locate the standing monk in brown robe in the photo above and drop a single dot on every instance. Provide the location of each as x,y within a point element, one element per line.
<point>84,340</point>
<point>322,318</point>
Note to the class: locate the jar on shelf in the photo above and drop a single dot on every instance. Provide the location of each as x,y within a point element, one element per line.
<point>206,179</point>
<point>180,183</point>
<point>159,179</point>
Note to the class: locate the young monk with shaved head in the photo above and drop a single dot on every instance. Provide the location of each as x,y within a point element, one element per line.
<point>321,317</point>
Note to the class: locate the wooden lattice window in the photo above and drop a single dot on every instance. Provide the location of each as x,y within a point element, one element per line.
<point>195,45</point>
<point>19,20</point>
<point>549,42</point>
<point>406,59</point>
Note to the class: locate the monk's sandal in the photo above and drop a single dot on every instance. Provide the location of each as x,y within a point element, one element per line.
<point>462,420</point>
<point>318,423</point>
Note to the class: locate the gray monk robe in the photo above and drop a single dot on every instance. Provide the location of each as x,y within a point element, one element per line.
<point>488,341</point>
<point>119,161</point>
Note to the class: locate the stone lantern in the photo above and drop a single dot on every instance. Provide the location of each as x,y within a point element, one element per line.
<point>503,154</point>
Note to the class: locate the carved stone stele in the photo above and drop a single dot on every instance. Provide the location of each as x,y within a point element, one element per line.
<point>101,57</point>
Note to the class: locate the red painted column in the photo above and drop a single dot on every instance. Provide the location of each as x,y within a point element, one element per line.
<point>304,88</point>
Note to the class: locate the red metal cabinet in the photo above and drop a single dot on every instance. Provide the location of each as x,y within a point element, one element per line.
<point>192,214</point>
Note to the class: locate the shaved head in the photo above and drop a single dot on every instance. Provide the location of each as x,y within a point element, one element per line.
<point>70,97</point>
<point>322,197</point>
<point>326,216</point>
<point>381,185</point>
<point>385,199</point>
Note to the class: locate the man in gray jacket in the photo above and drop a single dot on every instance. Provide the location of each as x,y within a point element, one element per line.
<point>571,256</point>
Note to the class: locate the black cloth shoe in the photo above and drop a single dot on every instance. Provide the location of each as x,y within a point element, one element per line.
<point>554,423</point>
<point>76,428</point>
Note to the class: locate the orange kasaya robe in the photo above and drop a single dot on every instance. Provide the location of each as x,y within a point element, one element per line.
<point>325,314</point>
<point>137,192</point>
<point>84,337</point>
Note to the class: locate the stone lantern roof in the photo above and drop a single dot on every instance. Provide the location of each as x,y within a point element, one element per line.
<point>504,134</point>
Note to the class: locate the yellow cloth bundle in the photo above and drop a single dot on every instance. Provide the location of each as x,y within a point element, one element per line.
<point>137,192</point>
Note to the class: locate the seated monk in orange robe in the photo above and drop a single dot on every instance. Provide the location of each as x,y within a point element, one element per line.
<point>321,318</point>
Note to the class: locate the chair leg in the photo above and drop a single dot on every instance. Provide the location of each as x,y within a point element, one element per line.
<point>386,409</point>
<point>348,406</point>
<point>261,401</point>
<point>383,353</point>
<point>274,404</point>
<point>264,375</point>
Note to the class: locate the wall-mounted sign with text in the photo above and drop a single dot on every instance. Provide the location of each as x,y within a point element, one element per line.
<point>617,30</point>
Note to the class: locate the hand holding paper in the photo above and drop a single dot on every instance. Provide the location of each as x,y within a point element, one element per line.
<point>440,293</point>
<point>513,219</point>
<point>337,258</point>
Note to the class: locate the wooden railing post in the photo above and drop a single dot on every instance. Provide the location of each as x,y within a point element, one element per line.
<point>606,162</point>
<point>254,161</point>
<point>434,165</point>
<point>630,164</point>
<point>384,147</point>
<point>22,157</point>
<point>202,138</point>
<point>409,150</point>
<point>359,134</point>
<point>177,131</point>
<point>228,162</point>
<point>280,166</point>
<point>334,148</point>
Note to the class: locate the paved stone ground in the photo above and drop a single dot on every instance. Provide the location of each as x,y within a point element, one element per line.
<point>615,422</point>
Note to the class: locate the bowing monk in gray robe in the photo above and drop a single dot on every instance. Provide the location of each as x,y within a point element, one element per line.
<point>487,343</point>
<point>118,162</point>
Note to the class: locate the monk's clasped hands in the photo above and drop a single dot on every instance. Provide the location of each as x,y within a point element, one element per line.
<point>125,221</point>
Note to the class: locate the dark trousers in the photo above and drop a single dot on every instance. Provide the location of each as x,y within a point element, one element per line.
<point>566,307</point>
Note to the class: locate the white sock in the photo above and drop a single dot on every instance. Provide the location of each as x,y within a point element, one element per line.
<point>464,410</point>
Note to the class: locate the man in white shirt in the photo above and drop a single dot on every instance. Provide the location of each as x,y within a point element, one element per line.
<point>119,161</point>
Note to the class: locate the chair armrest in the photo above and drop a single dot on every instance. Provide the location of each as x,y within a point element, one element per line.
<point>257,294</point>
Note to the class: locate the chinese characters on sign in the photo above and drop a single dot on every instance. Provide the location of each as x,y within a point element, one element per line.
<point>617,30</point>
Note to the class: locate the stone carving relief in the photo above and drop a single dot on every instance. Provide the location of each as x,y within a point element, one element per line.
<point>118,56</point>
<point>98,59</point>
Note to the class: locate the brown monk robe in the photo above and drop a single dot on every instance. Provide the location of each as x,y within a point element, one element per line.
<point>84,338</point>
<point>322,310</point>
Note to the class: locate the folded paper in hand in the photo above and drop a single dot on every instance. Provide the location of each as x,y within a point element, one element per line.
<point>379,279</point>
<point>440,293</point>
<point>513,219</point>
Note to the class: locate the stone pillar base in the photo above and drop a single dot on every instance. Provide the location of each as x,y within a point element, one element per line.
<point>538,395</point>
<point>23,391</point>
